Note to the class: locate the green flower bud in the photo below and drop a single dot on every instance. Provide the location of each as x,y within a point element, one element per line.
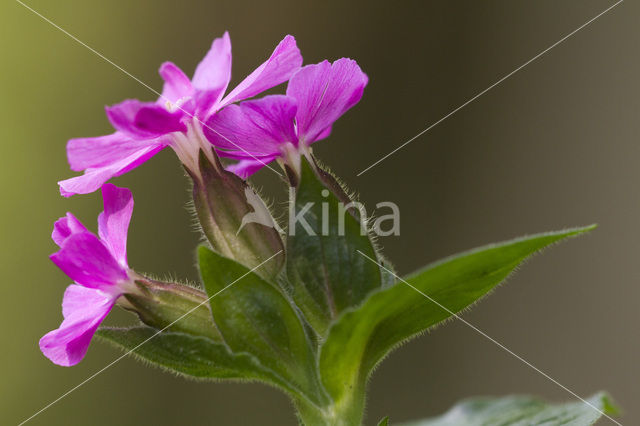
<point>234,218</point>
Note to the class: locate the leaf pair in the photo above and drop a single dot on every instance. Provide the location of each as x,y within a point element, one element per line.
<point>335,315</point>
<point>254,316</point>
<point>263,336</point>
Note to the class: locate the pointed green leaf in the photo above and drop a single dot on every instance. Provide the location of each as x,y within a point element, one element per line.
<point>326,273</point>
<point>188,355</point>
<point>384,421</point>
<point>522,411</point>
<point>362,337</point>
<point>254,316</point>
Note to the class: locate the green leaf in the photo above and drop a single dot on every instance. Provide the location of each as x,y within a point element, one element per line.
<point>522,411</point>
<point>254,316</point>
<point>384,421</point>
<point>362,337</point>
<point>326,273</point>
<point>188,355</point>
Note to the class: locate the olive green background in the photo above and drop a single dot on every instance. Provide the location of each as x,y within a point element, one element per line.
<point>555,145</point>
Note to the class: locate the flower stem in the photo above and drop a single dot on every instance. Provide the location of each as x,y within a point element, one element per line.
<point>347,412</point>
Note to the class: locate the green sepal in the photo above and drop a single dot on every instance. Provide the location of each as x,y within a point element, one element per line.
<point>222,201</point>
<point>175,306</point>
<point>363,336</point>
<point>325,271</point>
<point>523,410</point>
<point>254,316</point>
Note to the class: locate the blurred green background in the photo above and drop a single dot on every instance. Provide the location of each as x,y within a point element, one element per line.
<point>555,145</point>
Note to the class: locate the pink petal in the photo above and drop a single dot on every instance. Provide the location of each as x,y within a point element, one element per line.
<point>144,120</point>
<point>214,70</point>
<point>325,134</point>
<point>283,62</point>
<point>94,178</point>
<point>113,222</point>
<point>88,262</point>
<point>245,168</point>
<point>324,92</point>
<point>257,127</point>
<point>205,102</point>
<point>122,117</point>
<point>83,310</point>
<point>65,227</point>
<point>213,73</point>
<point>157,121</point>
<point>84,153</point>
<point>176,84</point>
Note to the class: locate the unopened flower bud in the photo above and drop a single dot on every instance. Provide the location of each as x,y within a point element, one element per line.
<point>234,218</point>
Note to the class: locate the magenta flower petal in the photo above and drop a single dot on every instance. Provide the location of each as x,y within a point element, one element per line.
<point>258,127</point>
<point>89,262</point>
<point>324,134</point>
<point>157,121</point>
<point>281,65</point>
<point>213,74</point>
<point>245,168</point>
<point>122,117</point>
<point>94,178</point>
<point>324,92</point>
<point>65,227</point>
<point>113,222</point>
<point>214,71</point>
<point>176,84</point>
<point>205,102</point>
<point>85,153</point>
<point>83,310</point>
<point>144,120</point>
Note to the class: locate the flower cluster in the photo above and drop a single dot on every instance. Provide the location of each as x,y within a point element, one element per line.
<point>194,117</point>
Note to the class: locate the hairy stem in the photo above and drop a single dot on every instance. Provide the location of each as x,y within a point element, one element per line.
<point>347,412</point>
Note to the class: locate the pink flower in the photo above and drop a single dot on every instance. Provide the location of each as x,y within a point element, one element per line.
<point>145,128</point>
<point>284,126</point>
<point>98,266</point>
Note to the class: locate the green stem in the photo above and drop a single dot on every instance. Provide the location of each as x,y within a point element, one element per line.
<point>347,412</point>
